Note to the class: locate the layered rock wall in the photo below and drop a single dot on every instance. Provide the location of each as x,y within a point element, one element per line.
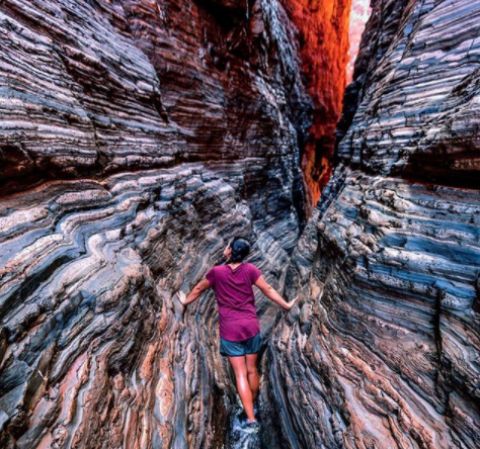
<point>383,352</point>
<point>136,138</point>
<point>419,97</point>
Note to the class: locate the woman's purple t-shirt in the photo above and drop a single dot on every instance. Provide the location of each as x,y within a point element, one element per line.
<point>235,299</point>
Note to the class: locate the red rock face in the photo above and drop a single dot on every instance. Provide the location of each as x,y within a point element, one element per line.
<point>323,46</point>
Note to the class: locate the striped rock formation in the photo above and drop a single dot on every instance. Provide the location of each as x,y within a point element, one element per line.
<point>383,351</point>
<point>138,136</point>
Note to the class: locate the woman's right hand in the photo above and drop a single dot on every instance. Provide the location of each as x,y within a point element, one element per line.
<point>292,303</point>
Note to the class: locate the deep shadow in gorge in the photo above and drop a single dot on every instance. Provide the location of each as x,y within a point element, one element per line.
<point>137,137</point>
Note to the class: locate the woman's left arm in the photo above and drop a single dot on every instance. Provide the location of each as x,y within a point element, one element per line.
<point>195,293</point>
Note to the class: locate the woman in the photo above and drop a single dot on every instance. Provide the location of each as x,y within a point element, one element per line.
<point>240,337</point>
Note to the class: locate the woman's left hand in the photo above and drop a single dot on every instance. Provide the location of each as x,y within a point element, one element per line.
<point>182,297</point>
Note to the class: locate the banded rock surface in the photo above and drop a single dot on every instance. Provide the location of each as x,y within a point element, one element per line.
<point>100,87</point>
<point>383,351</point>
<point>95,351</point>
<point>136,138</point>
<point>417,113</point>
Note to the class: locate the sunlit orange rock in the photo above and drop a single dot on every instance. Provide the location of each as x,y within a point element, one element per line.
<point>323,40</point>
<point>328,48</point>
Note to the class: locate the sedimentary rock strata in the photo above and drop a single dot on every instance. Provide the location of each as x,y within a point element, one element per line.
<point>93,344</point>
<point>417,113</point>
<point>137,137</point>
<point>384,347</point>
<point>383,351</point>
<point>100,87</point>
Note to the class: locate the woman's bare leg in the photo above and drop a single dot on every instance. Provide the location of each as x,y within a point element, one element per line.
<point>243,387</point>
<point>252,374</point>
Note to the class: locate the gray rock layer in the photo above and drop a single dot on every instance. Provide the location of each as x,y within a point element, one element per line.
<point>136,138</point>
<point>417,93</point>
<point>383,350</point>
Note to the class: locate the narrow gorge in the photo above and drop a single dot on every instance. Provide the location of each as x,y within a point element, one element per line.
<point>138,136</point>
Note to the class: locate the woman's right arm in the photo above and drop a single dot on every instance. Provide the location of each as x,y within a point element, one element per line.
<point>272,294</point>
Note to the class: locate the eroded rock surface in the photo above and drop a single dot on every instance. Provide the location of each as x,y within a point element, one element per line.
<point>383,352</point>
<point>136,138</point>
<point>417,113</point>
<point>384,348</point>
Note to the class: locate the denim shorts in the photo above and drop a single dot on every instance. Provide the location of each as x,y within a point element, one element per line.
<point>249,346</point>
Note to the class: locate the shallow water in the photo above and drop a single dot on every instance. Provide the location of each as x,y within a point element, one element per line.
<point>237,435</point>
